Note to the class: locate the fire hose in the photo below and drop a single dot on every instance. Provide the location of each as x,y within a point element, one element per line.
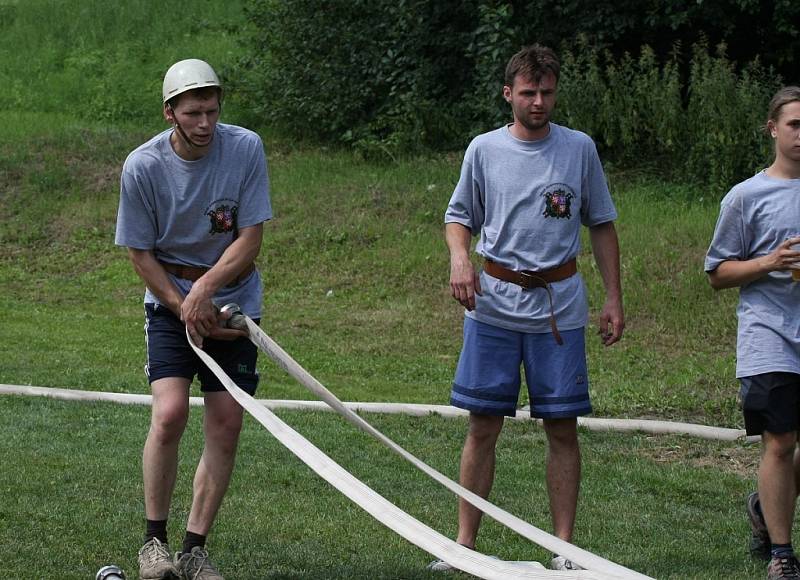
<point>380,508</point>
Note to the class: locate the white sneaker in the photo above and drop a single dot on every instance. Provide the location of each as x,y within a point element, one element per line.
<point>561,563</point>
<point>440,566</point>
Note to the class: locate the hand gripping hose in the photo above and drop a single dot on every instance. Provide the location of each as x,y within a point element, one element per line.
<point>380,508</point>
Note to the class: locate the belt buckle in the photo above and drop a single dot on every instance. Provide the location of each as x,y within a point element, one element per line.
<point>528,280</point>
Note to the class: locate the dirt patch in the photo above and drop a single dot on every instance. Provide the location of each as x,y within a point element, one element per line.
<point>738,459</point>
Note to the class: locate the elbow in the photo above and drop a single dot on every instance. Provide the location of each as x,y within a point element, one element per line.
<point>714,280</point>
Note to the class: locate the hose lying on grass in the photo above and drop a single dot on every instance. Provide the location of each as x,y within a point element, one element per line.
<point>384,511</point>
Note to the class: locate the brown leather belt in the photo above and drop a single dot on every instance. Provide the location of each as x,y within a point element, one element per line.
<point>529,279</point>
<point>193,273</point>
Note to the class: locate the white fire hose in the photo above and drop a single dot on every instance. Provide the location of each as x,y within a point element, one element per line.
<point>384,511</point>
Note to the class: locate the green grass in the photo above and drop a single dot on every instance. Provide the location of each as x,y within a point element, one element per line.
<point>355,274</point>
<point>668,507</point>
<point>105,63</point>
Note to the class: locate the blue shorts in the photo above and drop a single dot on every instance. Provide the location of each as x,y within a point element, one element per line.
<point>169,354</point>
<point>488,375</point>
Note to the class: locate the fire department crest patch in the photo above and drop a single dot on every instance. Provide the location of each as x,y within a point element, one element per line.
<point>223,218</point>
<point>558,201</point>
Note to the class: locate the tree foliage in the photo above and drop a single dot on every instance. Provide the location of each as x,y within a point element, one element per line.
<point>404,75</point>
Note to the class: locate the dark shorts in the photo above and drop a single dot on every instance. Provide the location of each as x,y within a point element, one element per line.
<point>770,402</point>
<point>488,379</point>
<point>169,354</point>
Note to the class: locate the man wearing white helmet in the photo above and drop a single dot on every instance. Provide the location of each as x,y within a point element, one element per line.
<point>193,200</point>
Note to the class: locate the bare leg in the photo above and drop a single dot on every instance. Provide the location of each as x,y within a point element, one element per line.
<point>477,472</point>
<point>563,474</point>
<point>169,414</point>
<point>221,425</point>
<point>776,484</point>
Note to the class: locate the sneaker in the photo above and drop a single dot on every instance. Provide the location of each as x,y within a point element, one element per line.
<point>155,562</point>
<point>196,566</point>
<point>440,566</point>
<point>561,563</point>
<point>759,536</point>
<point>783,569</point>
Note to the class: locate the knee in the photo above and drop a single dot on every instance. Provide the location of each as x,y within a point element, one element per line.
<point>781,446</point>
<point>484,430</point>
<point>224,432</point>
<point>561,434</point>
<point>167,426</point>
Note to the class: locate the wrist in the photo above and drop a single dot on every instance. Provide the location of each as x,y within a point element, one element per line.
<point>764,265</point>
<point>176,306</point>
<point>201,290</point>
<point>459,258</point>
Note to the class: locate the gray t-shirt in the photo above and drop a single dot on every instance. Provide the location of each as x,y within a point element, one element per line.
<point>527,201</point>
<point>756,216</point>
<point>188,212</point>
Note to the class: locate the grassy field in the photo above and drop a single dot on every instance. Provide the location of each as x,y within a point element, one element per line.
<point>666,506</point>
<point>356,282</point>
<point>355,273</point>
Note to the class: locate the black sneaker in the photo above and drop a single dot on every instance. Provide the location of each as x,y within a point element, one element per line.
<point>759,536</point>
<point>783,569</point>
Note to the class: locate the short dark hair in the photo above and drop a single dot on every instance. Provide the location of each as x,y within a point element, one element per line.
<point>532,62</point>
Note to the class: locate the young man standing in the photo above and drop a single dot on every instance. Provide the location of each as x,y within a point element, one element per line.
<point>526,189</point>
<point>755,248</point>
<point>192,205</point>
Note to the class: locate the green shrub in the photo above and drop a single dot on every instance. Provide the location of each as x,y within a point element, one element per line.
<point>723,120</point>
<point>582,89</point>
<point>373,74</point>
<point>402,77</point>
<point>494,39</point>
<point>637,112</point>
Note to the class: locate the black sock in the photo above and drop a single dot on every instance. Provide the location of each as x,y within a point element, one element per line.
<point>156,529</point>
<point>467,547</point>
<point>190,540</point>
<point>782,550</point>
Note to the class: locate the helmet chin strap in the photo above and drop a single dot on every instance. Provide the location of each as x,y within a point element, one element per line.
<point>181,133</point>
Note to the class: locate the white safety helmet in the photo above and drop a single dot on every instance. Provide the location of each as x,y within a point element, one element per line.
<point>189,74</point>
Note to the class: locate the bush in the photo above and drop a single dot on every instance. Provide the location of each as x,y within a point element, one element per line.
<point>369,73</point>
<point>390,77</point>
<point>640,113</point>
<point>631,107</point>
<point>724,117</point>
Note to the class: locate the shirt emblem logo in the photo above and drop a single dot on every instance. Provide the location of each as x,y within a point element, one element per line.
<point>223,218</point>
<point>558,201</point>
